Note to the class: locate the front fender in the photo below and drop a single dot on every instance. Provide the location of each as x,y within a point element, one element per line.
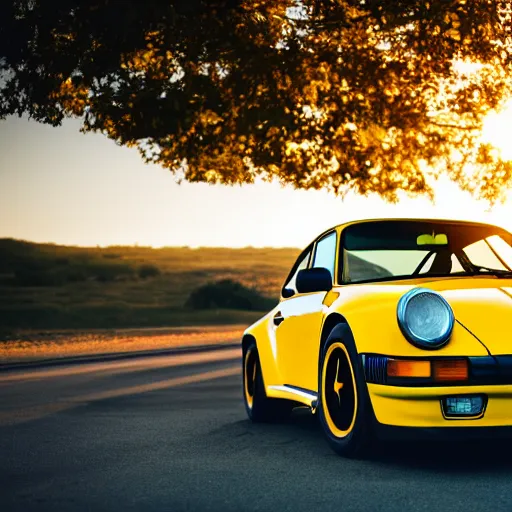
<point>373,320</point>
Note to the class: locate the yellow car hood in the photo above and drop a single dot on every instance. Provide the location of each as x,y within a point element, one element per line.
<point>484,307</point>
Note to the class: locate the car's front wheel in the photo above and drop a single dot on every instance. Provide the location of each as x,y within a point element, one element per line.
<point>259,407</point>
<point>344,406</point>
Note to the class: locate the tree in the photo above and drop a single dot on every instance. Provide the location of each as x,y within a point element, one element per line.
<point>373,95</point>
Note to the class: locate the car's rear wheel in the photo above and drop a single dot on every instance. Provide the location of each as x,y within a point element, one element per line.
<point>344,406</point>
<point>259,407</point>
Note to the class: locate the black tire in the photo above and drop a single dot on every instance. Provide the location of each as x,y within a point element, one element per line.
<point>259,407</point>
<point>344,406</point>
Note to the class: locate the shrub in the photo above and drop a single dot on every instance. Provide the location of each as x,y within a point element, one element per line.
<point>26,276</point>
<point>112,256</point>
<point>41,272</point>
<point>46,272</point>
<point>228,294</point>
<point>148,270</point>
<point>108,271</point>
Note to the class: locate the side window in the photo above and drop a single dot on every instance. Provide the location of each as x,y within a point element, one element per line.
<point>482,255</point>
<point>325,253</point>
<point>300,265</point>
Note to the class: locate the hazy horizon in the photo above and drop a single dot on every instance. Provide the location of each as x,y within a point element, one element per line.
<point>60,186</point>
<point>192,248</point>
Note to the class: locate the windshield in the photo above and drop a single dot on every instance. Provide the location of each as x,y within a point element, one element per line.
<point>384,250</point>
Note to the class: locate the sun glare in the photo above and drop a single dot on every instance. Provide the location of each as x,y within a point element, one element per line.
<point>497,131</point>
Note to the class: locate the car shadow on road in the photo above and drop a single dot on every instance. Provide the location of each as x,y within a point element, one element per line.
<point>486,455</point>
<point>304,430</point>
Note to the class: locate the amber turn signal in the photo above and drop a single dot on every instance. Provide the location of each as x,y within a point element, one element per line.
<point>451,370</point>
<point>408,368</point>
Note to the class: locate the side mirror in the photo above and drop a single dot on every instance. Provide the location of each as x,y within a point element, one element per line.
<point>313,280</point>
<point>287,293</point>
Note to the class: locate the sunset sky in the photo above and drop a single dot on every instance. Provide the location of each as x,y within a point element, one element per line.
<point>58,185</point>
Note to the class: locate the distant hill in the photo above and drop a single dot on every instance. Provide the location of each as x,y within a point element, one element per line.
<point>29,264</point>
<point>48,286</point>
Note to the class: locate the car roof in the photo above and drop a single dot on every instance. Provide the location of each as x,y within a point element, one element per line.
<point>404,219</point>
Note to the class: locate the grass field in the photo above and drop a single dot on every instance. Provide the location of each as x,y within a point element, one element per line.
<point>51,287</point>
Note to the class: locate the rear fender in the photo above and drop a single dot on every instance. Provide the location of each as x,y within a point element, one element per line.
<point>263,331</point>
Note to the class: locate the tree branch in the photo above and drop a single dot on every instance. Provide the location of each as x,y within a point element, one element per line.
<point>454,126</point>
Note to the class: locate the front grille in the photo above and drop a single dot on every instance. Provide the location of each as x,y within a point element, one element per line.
<point>375,369</point>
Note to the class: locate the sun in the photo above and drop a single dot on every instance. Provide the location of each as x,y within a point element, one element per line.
<point>497,130</point>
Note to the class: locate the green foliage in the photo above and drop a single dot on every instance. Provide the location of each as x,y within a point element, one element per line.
<point>228,294</point>
<point>111,256</point>
<point>148,270</point>
<point>44,265</point>
<point>35,275</point>
<point>63,290</point>
<point>111,271</point>
<point>366,95</point>
<point>114,317</point>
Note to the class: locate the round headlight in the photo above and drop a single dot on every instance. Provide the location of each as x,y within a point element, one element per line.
<point>425,318</point>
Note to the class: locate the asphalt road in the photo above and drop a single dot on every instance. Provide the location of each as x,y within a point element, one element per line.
<point>170,433</point>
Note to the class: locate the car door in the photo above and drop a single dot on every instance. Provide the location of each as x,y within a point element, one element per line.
<point>299,320</point>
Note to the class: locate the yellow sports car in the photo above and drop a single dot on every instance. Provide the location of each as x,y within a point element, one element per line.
<point>390,327</point>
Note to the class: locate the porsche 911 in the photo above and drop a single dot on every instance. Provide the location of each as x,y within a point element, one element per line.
<point>390,328</point>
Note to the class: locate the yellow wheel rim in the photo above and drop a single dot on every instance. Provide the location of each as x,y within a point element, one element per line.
<point>250,363</point>
<point>339,394</point>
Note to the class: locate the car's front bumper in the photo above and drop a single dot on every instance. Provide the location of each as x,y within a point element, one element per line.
<point>420,407</point>
<point>417,402</point>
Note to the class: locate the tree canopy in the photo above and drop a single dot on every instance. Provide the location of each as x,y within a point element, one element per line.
<point>369,95</point>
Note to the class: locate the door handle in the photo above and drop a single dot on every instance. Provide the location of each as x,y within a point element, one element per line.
<point>278,318</point>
